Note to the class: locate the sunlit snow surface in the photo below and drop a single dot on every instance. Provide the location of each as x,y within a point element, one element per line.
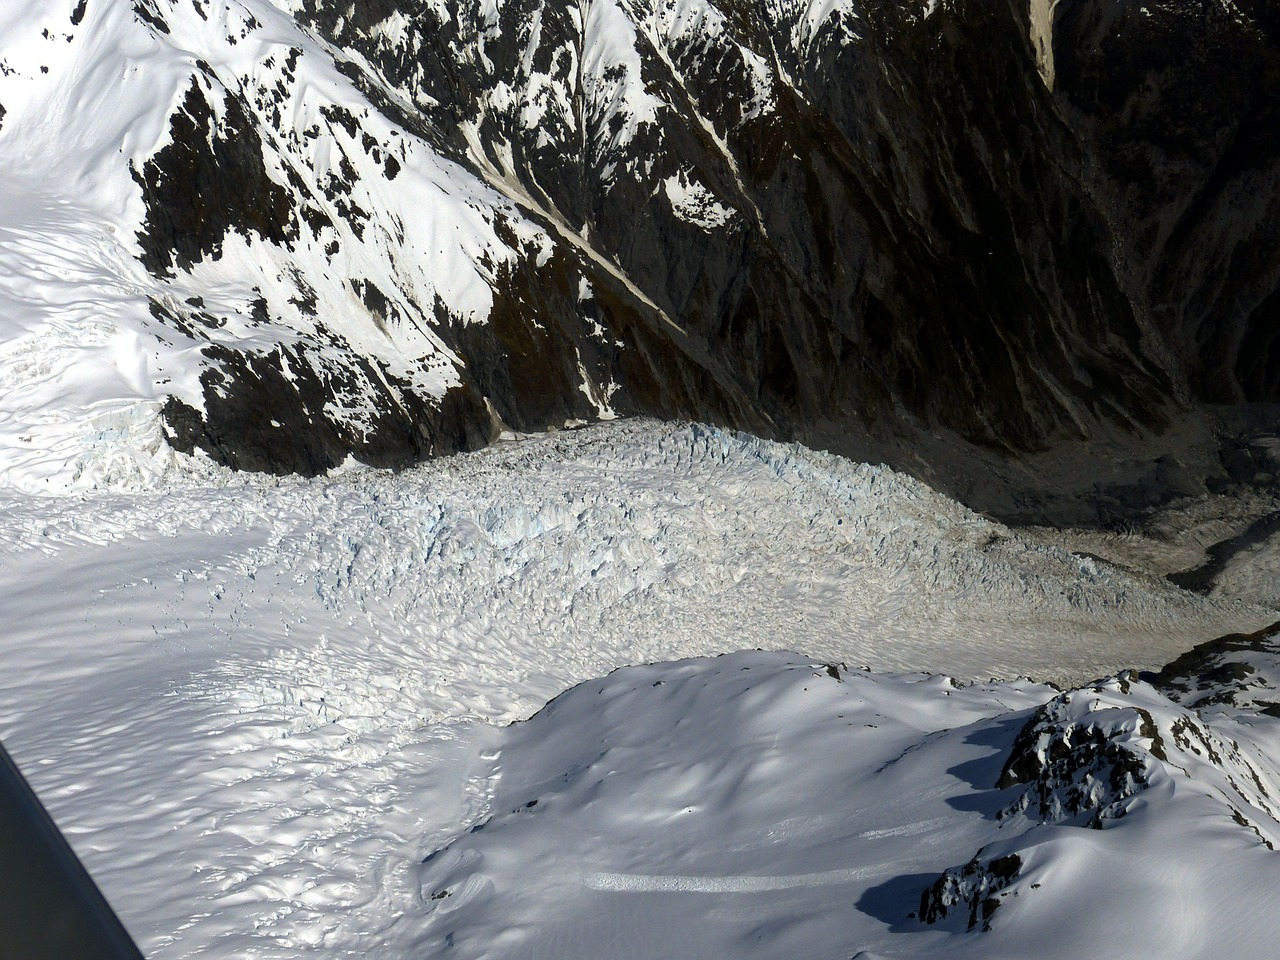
<point>87,97</point>
<point>257,706</point>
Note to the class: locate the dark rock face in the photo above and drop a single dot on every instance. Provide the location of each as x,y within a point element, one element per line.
<point>1181,111</point>
<point>977,887</point>
<point>266,412</point>
<point>208,181</point>
<point>908,230</point>
<point>884,226</point>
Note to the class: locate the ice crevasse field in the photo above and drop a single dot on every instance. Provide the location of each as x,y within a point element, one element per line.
<point>285,718</point>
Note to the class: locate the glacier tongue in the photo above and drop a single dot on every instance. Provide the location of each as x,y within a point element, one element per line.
<point>256,705</point>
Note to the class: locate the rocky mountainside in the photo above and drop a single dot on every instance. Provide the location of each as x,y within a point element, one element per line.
<point>940,233</point>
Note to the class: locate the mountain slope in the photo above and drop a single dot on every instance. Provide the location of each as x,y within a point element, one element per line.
<point>309,231</point>
<point>790,806</point>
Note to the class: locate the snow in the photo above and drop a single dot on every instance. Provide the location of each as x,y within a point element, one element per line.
<point>81,379</point>
<point>809,23</point>
<point>257,706</point>
<point>84,364</point>
<point>612,78</point>
<point>694,203</point>
<point>807,810</point>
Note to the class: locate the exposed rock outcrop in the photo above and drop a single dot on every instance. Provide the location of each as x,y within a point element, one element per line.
<point>977,887</point>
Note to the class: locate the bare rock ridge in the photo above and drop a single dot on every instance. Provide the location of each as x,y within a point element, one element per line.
<point>853,229</point>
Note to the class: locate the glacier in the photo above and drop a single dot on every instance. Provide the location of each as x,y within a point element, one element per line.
<point>257,705</point>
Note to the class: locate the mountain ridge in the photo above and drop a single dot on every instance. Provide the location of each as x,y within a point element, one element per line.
<point>389,231</point>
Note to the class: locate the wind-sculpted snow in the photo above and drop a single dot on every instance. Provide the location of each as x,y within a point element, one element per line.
<point>754,787</point>
<point>257,705</point>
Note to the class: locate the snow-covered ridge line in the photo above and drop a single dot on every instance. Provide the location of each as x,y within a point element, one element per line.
<point>765,773</point>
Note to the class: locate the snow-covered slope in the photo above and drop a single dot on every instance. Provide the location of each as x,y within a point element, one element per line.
<point>185,226</point>
<point>757,805</point>
<point>256,706</point>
